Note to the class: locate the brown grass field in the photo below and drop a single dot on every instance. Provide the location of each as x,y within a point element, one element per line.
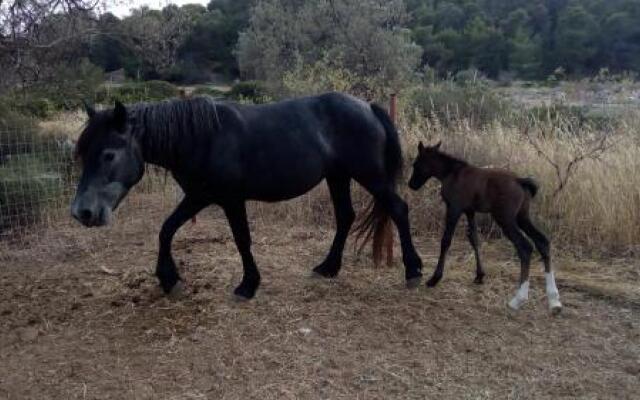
<point>82,318</point>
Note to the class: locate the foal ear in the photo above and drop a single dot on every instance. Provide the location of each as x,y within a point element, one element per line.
<point>120,115</point>
<point>437,146</point>
<point>420,147</point>
<point>88,109</point>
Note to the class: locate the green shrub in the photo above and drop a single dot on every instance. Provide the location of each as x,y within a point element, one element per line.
<point>448,102</point>
<point>250,91</point>
<point>577,116</point>
<point>38,107</point>
<point>208,91</point>
<point>134,92</point>
<point>69,85</point>
<point>18,132</point>
<point>27,188</point>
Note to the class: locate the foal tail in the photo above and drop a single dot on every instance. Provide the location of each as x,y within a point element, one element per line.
<point>376,223</point>
<point>529,185</point>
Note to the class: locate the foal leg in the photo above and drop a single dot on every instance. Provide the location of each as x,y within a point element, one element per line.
<point>166,267</point>
<point>524,250</point>
<point>237,216</point>
<point>472,235</point>
<point>450,227</point>
<point>543,246</point>
<point>341,197</point>
<point>398,210</point>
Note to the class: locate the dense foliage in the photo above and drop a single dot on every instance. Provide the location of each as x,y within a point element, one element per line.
<point>528,39</point>
<point>531,38</point>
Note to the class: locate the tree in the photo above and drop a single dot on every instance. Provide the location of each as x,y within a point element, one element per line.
<point>365,38</point>
<point>211,43</point>
<point>33,31</point>
<point>575,40</point>
<point>156,36</point>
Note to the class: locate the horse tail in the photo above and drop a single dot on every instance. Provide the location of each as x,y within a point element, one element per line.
<point>376,223</point>
<point>530,185</point>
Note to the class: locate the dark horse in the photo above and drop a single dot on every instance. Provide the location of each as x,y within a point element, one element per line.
<point>466,190</point>
<point>227,153</point>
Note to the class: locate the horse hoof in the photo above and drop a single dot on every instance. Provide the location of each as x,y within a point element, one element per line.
<point>479,280</point>
<point>321,277</point>
<point>433,282</point>
<point>177,292</point>
<point>413,283</point>
<point>555,306</point>
<point>240,298</point>
<point>516,303</point>
<point>322,272</point>
<point>244,294</point>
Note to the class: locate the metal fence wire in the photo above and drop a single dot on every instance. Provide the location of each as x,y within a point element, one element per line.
<point>38,174</point>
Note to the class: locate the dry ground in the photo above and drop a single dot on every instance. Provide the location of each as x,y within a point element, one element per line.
<point>81,318</point>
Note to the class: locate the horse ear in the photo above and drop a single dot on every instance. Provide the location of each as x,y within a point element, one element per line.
<point>437,146</point>
<point>420,147</point>
<point>88,109</point>
<point>120,115</point>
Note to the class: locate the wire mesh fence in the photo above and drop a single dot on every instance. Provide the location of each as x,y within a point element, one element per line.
<point>38,175</point>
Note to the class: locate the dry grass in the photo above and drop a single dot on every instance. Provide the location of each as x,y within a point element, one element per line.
<point>66,124</point>
<point>599,208</point>
<point>82,316</point>
<point>86,320</point>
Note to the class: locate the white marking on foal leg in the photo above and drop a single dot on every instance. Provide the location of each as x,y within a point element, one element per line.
<point>552,293</point>
<point>522,295</point>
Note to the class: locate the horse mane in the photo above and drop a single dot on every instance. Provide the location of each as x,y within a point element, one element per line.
<point>452,163</point>
<point>158,125</point>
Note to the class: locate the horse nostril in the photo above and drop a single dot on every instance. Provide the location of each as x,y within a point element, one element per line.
<point>85,214</point>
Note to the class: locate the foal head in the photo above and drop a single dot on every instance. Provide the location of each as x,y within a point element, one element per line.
<point>429,163</point>
<point>111,164</point>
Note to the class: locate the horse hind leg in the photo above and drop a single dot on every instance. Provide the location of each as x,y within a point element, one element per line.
<point>398,210</point>
<point>237,216</point>
<point>472,235</point>
<point>524,250</point>
<point>340,191</point>
<point>543,246</point>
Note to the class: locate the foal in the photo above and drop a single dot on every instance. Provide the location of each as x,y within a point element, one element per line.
<point>466,190</point>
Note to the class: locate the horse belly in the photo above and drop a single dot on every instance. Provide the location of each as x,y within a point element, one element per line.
<point>284,182</point>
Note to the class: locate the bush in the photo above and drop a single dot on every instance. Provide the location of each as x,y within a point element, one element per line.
<point>448,102</point>
<point>251,91</point>
<point>38,107</point>
<point>134,92</point>
<point>209,91</point>
<point>18,133</point>
<point>577,116</point>
<point>27,188</point>
<point>67,87</point>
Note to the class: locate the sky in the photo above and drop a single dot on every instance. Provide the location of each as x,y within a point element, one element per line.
<point>121,8</point>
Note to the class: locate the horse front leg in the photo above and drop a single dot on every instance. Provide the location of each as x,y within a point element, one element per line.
<point>451,221</point>
<point>237,216</point>
<point>341,197</point>
<point>166,268</point>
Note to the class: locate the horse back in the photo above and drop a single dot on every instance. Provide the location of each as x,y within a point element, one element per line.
<point>488,189</point>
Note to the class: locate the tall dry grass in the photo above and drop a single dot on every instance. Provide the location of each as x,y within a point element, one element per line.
<point>597,211</point>
<point>599,207</point>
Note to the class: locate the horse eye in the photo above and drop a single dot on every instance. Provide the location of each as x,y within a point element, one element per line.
<point>108,157</point>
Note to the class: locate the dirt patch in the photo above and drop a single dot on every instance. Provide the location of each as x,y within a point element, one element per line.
<point>87,321</point>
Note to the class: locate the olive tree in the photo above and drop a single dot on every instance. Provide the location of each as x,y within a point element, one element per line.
<point>363,37</point>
